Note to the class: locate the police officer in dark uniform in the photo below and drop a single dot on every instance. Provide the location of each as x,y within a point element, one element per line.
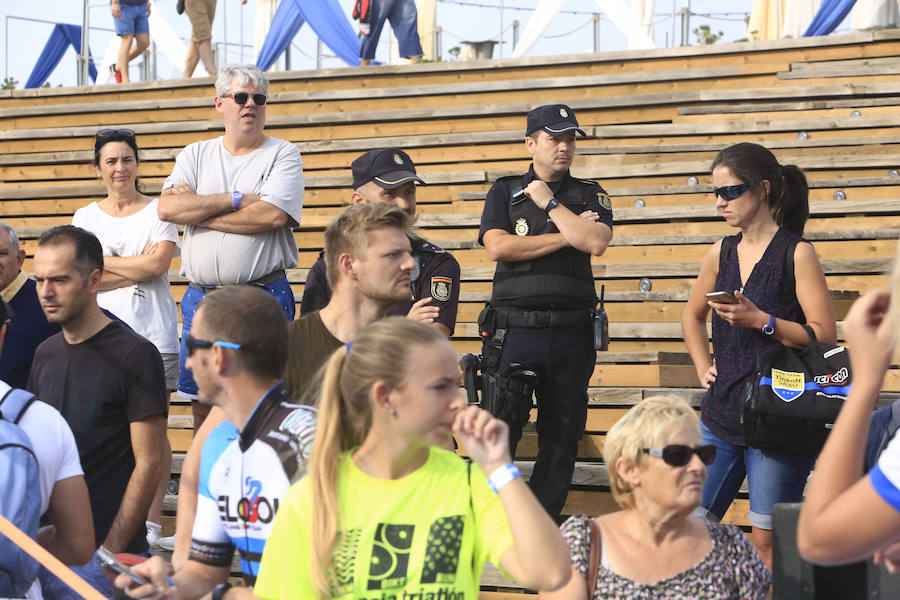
<point>389,175</point>
<point>542,229</point>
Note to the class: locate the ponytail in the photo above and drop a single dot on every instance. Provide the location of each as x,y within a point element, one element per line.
<point>790,208</point>
<point>322,470</point>
<point>381,352</point>
<point>788,197</point>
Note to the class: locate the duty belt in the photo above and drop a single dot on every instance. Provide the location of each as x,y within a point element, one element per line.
<point>261,282</point>
<point>542,318</point>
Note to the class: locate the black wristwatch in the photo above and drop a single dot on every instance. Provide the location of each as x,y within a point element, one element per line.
<point>220,590</point>
<point>551,204</point>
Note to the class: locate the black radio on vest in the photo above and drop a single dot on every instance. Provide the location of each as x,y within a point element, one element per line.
<point>601,325</point>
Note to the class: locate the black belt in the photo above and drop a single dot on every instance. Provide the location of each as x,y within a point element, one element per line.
<point>261,282</point>
<point>542,318</point>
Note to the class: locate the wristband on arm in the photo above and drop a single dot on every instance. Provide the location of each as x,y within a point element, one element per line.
<point>502,476</point>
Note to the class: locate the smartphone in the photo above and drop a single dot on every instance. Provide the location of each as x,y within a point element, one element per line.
<point>108,559</point>
<point>723,297</point>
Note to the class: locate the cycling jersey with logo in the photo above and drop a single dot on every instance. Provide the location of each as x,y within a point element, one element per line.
<point>243,476</point>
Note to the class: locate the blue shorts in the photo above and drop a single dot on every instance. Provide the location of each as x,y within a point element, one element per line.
<point>280,289</point>
<point>404,21</point>
<point>132,20</point>
<point>772,477</point>
<point>92,573</point>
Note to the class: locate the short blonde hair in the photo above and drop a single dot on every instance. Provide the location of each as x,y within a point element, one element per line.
<point>646,425</point>
<point>349,231</point>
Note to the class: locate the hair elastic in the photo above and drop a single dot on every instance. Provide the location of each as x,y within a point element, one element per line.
<point>348,346</point>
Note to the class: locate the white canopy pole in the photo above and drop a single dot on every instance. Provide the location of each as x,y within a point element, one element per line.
<point>537,25</point>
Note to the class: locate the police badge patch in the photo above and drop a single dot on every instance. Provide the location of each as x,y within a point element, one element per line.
<point>440,288</point>
<point>521,226</point>
<point>603,199</point>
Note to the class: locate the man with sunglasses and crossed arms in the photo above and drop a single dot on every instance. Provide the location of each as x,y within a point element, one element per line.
<point>238,197</point>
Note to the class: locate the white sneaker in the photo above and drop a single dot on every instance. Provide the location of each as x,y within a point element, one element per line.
<point>154,530</point>
<point>166,543</point>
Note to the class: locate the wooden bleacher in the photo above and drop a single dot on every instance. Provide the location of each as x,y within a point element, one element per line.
<point>654,119</point>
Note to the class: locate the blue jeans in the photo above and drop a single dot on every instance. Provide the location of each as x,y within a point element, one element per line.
<point>404,21</point>
<point>771,477</point>
<point>132,20</point>
<point>280,289</point>
<point>53,588</point>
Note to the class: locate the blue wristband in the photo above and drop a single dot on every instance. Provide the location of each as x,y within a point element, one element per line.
<point>502,476</point>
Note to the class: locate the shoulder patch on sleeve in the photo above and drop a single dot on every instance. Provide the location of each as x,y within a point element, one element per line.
<point>604,201</point>
<point>440,288</point>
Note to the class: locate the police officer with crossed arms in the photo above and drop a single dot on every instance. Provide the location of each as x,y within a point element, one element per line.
<point>542,227</point>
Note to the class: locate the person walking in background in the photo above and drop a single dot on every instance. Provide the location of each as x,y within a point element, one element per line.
<point>133,29</point>
<point>201,13</point>
<point>404,19</point>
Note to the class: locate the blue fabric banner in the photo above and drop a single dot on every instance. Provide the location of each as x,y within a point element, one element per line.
<point>830,15</point>
<point>325,17</point>
<point>63,36</point>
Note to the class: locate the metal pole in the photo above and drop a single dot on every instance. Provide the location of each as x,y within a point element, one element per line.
<point>673,23</point>
<point>436,42</point>
<point>515,34</point>
<point>241,9</point>
<point>219,65</point>
<point>287,58</point>
<point>318,53</point>
<point>501,29</point>
<point>596,32</point>
<point>684,26</point>
<point>778,19</point>
<point>84,70</point>
<point>6,46</point>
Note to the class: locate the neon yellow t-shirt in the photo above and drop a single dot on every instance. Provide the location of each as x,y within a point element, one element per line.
<point>425,536</point>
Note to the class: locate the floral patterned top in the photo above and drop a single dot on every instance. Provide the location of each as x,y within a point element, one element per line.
<point>732,570</point>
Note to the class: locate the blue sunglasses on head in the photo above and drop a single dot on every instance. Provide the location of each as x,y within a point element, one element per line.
<point>730,192</point>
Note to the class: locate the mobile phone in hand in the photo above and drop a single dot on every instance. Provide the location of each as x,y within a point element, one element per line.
<point>108,560</point>
<point>723,297</point>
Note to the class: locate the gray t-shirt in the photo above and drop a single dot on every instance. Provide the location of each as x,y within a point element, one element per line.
<point>275,172</point>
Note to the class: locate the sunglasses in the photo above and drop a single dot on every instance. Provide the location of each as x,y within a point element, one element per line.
<point>242,97</point>
<point>105,133</point>
<point>730,192</point>
<point>193,343</point>
<point>678,455</point>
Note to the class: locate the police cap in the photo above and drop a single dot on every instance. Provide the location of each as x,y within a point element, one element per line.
<point>555,119</point>
<point>388,167</point>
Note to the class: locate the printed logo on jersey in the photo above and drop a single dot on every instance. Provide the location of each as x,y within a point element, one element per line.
<point>521,226</point>
<point>440,288</point>
<point>346,548</point>
<point>251,509</point>
<point>787,385</point>
<point>390,556</point>
<point>442,550</point>
<point>604,201</point>
<point>841,376</point>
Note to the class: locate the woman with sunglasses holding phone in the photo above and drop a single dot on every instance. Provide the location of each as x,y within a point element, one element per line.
<point>386,512</point>
<point>137,252</point>
<point>769,204</point>
<point>653,547</point>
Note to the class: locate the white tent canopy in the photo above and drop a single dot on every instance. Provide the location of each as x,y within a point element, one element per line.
<point>620,14</point>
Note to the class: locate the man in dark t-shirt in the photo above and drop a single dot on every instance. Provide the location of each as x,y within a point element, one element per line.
<point>389,175</point>
<point>368,254</point>
<point>108,383</point>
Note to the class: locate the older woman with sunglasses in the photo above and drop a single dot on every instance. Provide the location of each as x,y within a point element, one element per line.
<point>653,547</point>
<point>759,304</point>
<point>137,252</point>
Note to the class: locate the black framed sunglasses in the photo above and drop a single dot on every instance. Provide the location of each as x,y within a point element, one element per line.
<point>678,455</point>
<point>241,98</point>
<point>108,133</point>
<point>193,343</point>
<point>730,192</point>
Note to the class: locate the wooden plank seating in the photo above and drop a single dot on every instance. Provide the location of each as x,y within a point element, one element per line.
<point>653,119</point>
